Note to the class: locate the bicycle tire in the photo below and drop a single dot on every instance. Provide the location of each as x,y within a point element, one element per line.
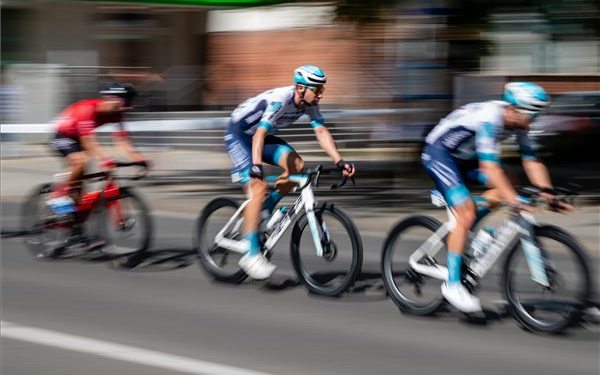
<point>317,282</point>
<point>37,229</point>
<point>205,248</point>
<point>529,313</point>
<point>399,297</point>
<point>119,238</point>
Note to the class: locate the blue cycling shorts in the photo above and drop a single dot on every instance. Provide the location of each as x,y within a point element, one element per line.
<point>239,148</point>
<point>449,174</point>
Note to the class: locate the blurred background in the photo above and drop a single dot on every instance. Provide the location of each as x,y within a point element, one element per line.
<point>394,67</point>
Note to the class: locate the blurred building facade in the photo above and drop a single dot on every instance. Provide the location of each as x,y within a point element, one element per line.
<point>200,57</point>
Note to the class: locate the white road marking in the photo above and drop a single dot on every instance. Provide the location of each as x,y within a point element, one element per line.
<point>120,352</point>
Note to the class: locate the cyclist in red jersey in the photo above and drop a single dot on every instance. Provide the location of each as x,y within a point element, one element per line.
<point>76,142</point>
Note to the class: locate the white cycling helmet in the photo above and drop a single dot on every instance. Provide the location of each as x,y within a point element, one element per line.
<point>310,75</point>
<point>527,97</point>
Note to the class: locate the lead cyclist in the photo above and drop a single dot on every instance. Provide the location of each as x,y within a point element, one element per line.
<point>249,141</point>
<point>466,145</point>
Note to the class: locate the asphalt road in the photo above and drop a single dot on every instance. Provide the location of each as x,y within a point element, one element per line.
<point>171,307</point>
<point>81,316</point>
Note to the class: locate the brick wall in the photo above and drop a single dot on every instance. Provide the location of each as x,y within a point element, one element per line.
<point>243,64</point>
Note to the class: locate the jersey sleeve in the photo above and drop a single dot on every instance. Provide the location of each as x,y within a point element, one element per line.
<point>486,145</point>
<point>525,145</point>
<point>316,118</point>
<point>85,118</point>
<point>271,114</point>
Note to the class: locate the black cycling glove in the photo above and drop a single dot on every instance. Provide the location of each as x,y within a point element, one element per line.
<point>257,172</point>
<point>345,166</point>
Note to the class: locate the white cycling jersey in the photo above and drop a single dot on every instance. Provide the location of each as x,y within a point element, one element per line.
<point>272,109</point>
<point>476,130</point>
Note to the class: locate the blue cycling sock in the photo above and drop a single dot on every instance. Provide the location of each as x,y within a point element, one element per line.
<point>271,201</point>
<point>454,266</point>
<point>254,243</point>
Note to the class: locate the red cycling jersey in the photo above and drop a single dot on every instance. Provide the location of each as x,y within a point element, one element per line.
<point>81,119</point>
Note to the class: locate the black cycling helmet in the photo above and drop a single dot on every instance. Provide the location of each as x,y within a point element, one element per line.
<point>126,91</point>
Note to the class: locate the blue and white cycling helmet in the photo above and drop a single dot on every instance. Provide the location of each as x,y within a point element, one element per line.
<point>527,97</point>
<point>309,75</point>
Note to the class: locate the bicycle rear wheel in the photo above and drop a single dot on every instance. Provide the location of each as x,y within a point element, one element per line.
<point>46,234</point>
<point>221,264</point>
<point>335,271</point>
<point>126,225</point>
<point>554,308</point>
<point>412,292</point>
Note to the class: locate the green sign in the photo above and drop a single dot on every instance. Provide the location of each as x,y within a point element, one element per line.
<point>186,2</point>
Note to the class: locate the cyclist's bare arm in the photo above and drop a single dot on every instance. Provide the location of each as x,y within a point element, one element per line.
<point>499,180</point>
<point>537,173</point>
<point>327,143</point>
<point>258,144</point>
<point>93,148</point>
<point>126,148</point>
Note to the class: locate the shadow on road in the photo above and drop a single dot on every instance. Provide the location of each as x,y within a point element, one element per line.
<point>157,260</point>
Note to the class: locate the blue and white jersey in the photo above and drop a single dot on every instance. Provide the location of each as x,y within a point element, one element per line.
<point>475,131</point>
<point>273,109</point>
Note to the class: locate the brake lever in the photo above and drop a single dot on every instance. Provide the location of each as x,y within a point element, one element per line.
<point>139,176</point>
<point>339,184</point>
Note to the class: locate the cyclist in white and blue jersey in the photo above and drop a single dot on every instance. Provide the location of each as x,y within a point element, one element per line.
<point>249,141</point>
<point>466,145</point>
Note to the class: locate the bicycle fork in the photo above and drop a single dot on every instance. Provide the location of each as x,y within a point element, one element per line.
<point>533,252</point>
<point>114,207</point>
<point>309,206</point>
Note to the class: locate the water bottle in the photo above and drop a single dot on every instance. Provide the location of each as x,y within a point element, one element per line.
<point>62,205</point>
<point>277,215</point>
<point>482,241</point>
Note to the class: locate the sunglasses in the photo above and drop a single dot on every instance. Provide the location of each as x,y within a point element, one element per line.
<point>532,114</point>
<point>318,90</point>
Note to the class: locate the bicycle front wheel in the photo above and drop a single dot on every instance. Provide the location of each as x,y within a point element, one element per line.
<point>412,292</point>
<point>335,271</point>
<point>548,308</point>
<point>127,226</point>
<point>221,264</point>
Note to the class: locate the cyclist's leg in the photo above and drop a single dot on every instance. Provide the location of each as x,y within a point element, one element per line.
<point>490,199</point>
<point>70,149</point>
<point>278,152</point>
<point>76,169</point>
<point>448,179</point>
<point>239,149</point>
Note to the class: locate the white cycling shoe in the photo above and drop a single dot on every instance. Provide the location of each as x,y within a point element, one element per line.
<point>257,266</point>
<point>459,297</point>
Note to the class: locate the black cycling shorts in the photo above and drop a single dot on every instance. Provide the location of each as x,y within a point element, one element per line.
<point>65,145</point>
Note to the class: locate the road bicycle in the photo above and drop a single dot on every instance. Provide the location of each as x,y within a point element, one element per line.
<point>113,219</point>
<point>327,260</point>
<point>545,276</point>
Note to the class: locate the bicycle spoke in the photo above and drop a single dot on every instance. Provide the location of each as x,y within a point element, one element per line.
<point>411,291</point>
<point>220,263</point>
<point>552,308</point>
<point>336,269</point>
